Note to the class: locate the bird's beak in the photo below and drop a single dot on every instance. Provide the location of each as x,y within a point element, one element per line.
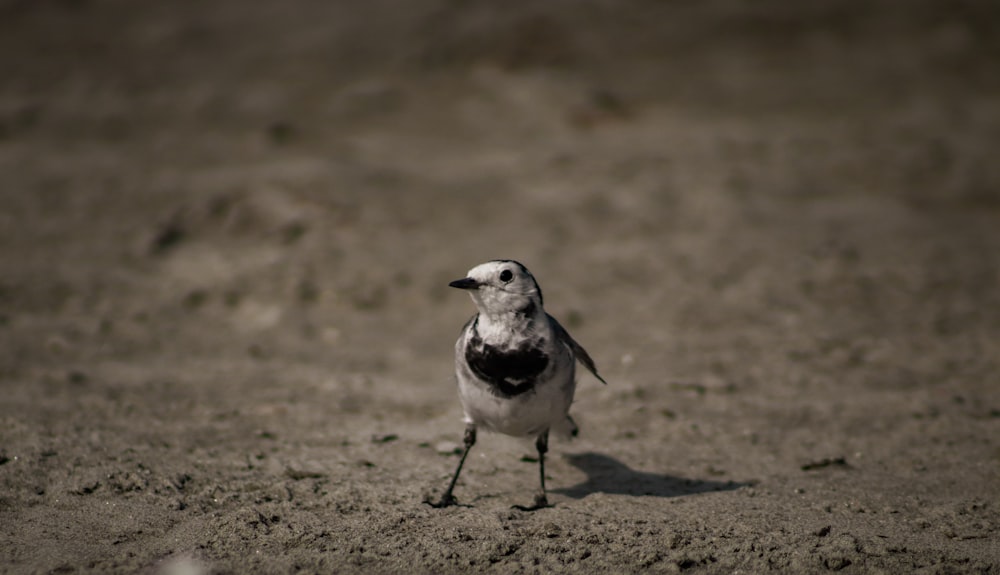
<point>465,283</point>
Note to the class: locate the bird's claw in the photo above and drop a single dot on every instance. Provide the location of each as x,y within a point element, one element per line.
<point>447,500</point>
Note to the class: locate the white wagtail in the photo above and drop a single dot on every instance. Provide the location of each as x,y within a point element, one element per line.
<point>515,364</point>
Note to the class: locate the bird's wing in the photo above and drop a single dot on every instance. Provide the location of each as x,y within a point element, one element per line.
<point>581,354</point>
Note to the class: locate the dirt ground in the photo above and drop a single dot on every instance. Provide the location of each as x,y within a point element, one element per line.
<point>227,229</point>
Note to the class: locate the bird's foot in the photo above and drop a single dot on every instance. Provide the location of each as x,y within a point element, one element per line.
<point>446,500</point>
<point>541,502</point>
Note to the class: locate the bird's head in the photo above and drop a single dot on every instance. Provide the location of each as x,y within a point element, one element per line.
<point>501,287</point>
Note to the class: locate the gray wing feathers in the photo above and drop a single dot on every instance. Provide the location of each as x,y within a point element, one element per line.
<point>581,354</point>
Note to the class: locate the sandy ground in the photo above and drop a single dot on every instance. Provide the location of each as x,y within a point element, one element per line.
<point>227,229</point>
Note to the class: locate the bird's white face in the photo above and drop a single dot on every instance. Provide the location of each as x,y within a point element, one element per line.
<point>504,287</point>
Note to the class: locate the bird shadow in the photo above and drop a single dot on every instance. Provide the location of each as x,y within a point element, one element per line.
<point>605,474</point>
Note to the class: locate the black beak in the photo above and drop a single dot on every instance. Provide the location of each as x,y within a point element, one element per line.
<point>465,283</point>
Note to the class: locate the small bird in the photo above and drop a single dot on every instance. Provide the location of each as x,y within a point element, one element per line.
<point>515,365</point>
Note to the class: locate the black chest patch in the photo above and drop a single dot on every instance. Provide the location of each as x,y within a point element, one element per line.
<point>509,372</point>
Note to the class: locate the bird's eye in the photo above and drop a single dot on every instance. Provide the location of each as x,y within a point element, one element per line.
<point>506,276</point>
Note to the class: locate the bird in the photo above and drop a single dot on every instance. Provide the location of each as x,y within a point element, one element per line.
<point>515,366</point>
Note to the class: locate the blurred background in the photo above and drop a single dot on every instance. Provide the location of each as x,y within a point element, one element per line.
<point>284,165</point>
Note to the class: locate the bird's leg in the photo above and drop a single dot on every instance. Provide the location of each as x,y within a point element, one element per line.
<point>447,498</point>
<point>541,501</point>
<point>542,444</point>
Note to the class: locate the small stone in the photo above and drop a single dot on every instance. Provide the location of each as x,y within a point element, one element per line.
<point>448,448</point>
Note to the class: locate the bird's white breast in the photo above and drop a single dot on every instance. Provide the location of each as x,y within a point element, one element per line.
<point>526,414</point>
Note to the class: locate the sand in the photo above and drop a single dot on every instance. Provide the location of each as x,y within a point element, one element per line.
<point>227,229</point>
